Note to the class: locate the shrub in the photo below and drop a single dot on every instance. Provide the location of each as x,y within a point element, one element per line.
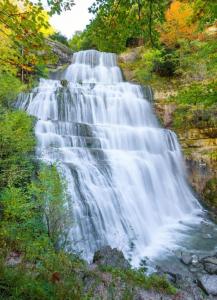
<point>16,144</point>
<point>49,192</point>
<point>10,87</point>
<point>198,94</point>
<point>57,36</point>
<point>210,192</point>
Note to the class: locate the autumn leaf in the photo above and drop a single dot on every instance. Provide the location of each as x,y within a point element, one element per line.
<point>178,24</point>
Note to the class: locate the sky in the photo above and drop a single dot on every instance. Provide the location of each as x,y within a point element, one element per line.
<point>75,19</point>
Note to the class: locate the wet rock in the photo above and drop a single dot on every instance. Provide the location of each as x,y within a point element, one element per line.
<point>63,53</point>
<point>64,82</point>
<point>110,257</point>
<point>210,268</point>
<point>210,264</point>
<point>210,259</point>
<point>209,284</point>
<point>183,279</point>
<point>186,258</point>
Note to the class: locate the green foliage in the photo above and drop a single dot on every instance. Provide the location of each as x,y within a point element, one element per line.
<point>33,220</point>
<point>50,194</point>
<point>41,70</point>
<point>118,21</point>
<point>33,217</point>
<point>10,88</point>
<point>58,6</point>
<point>210,191</point>
<point>23,32</point>
<point>197,60</point>
<point>198,93</point>
<point>52,277</point>
<point>77,42</point>
<point>190,116</point>
<point>166,64</point>
<point>16,143</point>
<point>192,61</point>
<point>57,36</point>
<point>22,225</point>
<point>149,58</point>
<point>18,284</point>
<point>152,63</point>
<point>205,11</point>
<point>138,278</point>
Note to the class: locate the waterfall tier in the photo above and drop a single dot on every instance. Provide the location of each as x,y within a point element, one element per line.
<point>124,173</point>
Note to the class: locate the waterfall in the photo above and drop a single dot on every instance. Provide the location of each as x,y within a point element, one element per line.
<point>124,173</point>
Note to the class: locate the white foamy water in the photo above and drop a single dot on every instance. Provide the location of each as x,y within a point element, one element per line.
<point>124,172</point>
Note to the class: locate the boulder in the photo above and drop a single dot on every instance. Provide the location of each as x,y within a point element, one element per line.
<point>210,264</point>
<point>210,268</point>
<point>130,56</point>
<point>209,284</point>
<point>107,256</point>
<point>210,259</point>
<point>63,53</point>
<point>186,258</point>
<point>64,82</point>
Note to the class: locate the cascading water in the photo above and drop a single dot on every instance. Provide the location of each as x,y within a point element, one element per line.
<point>124,173</point>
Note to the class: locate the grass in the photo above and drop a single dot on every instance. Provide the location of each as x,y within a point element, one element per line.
<point>138,278</point>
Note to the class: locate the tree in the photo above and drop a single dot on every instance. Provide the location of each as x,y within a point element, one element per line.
<point>16,144</point>
<point>57,36</point>
<point>119,21</point>
<point>178,24</point>
<point>23,29</point>
<point>50,193</point>
<point>204,12</point>
<point>76,42</point>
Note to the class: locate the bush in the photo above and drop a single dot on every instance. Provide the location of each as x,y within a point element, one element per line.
<point>16,144</point>
<point>210,192</point>
<point>197,60</point>
<point>10,88</point>
<point>49,192</point>
<point>51,278</point>
<point>166,66</point>
<point>198,94</point>
<point>57,36</point>
<point>81,41</point>
<point>161,62</point>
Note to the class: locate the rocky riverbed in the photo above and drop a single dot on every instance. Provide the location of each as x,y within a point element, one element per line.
<point>193,276</point>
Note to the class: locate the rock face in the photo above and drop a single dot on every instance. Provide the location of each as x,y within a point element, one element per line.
<point>210,265</point>
<point>201,270</point>
<point>63,53</point>
<point>186,258</point>
<point>110,257</point>
<point>209,284</point>
<point>131,56</point>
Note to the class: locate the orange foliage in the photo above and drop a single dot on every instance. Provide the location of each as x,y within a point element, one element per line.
<point>178,24</point>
